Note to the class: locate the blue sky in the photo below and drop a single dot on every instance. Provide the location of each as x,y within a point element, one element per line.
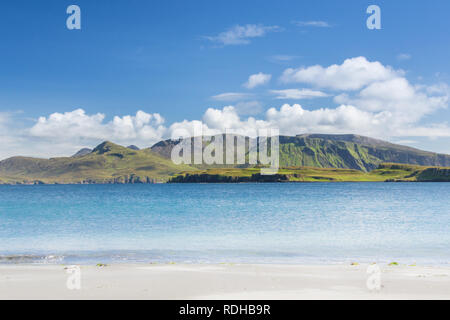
<point>167,57</point>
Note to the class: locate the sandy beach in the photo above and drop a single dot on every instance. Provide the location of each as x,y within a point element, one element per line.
<point>223,281</point>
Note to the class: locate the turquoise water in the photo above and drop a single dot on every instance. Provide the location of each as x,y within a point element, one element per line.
<point>255,223</point>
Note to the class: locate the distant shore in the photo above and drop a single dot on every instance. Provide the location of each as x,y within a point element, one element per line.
<point>224,281</point>
<point>386,172</point>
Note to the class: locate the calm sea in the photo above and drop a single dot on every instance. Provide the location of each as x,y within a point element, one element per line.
<point>249,223</point>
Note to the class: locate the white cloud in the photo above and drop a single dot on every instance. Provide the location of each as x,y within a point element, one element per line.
<point>188,128</point>
<point>403,56</point>
<point>216,121</point>
<point>77,126</point>
<point>242,34</point>
<point>221,119</point>
<point>231,96</point>
<point>373,99</point>
<point>74,124</point>
<point>294,119</point>
<point>298,94</point>
<point>320,24</point>
<point>381,103</point>
<point>256,80</point>
<point>63,134</point>
<point>227,119</point>
<point>352,74</point>
<point>399,97</point>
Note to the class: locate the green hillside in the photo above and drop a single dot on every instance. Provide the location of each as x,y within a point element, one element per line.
<point>107,163</point>
<point>302,158</point>
<point>388,172</point>
<point>337,151</point>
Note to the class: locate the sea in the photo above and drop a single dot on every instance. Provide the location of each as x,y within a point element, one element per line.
<point>267,223</point>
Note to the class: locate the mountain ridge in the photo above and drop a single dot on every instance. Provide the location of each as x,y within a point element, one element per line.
<point>346,151</point>
<point>107,163</point>
<point>112,163</point>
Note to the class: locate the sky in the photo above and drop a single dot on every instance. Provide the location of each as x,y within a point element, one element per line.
<point>141,71</point>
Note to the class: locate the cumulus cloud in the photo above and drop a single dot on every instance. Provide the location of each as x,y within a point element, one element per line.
<point>74,124</point>
<point>242,34</point>
<point>294,119</point>
<point>372,100</point>
<point>216,121</point>
<point>78,126</point>
<point>228,119</point>
<point>352,74</point>
<point>221,119</point>
<point>63,135</point>
<point>298,94</point>
<point>409,103</point>
<point>256,80</point>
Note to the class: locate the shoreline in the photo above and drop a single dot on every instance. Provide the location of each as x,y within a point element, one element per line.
<point>223,281</point>
<point>154,258</point>
<point>225,183</point>
<point>384,172</point>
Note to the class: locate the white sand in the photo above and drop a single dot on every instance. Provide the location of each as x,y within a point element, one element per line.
<point>225,281</point>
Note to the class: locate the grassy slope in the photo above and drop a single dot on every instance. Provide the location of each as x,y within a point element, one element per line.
<point>338,151</point>
<point>385,172</point>
<point>324,153</point>
<point>111,163</point>
<point>108,163</point>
